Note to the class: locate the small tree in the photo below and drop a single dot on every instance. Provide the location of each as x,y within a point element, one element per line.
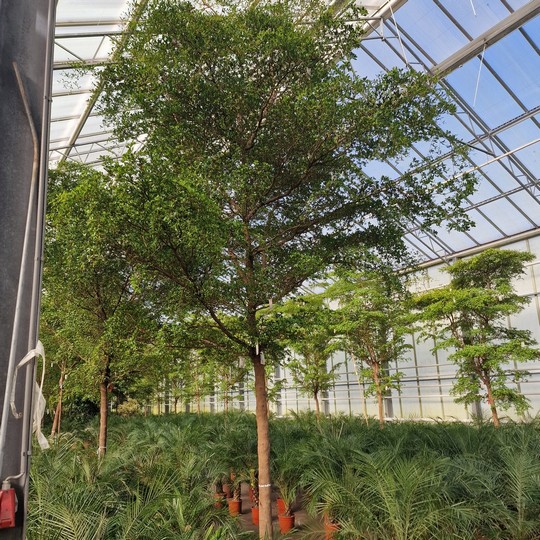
<point>372,320</point>
<point>311,335</point>
<point>469,315</point>
<point>90,303</point>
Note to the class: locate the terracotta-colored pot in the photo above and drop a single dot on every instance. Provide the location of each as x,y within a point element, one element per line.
<point>255,515</point>
<point>219,499</point>
<point>280,506</point>
<point>330,530</point>
<point>286,523</point>
<point>235,507</point>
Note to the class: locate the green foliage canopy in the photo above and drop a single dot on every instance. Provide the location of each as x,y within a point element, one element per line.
<point>256,133</point>
<point>93,320</point>
<point>372,322</point>
<point>311,335</point>
<point>470,315</point>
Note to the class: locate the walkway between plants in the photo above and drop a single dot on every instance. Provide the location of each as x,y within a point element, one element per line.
<point>305,526</point>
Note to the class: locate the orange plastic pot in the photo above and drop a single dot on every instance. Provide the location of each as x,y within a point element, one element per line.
<point>235,507</point>
<point>280,506</point>
<point>255,515</point>
<point>286,523</point>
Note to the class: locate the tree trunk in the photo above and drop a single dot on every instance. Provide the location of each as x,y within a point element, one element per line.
<point>491,402</point>
<point>377,381</point>
<point>104,409</point>
<point>263,449</point>
<point>317,405</point>
<point>58,411</point>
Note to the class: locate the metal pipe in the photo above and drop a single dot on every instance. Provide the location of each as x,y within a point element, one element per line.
<point>28,410</point>
<point>22,273</point>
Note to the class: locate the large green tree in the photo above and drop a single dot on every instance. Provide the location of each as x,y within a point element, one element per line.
<point>96,321</point>
<point>255,131</point>
<point>470,317</point>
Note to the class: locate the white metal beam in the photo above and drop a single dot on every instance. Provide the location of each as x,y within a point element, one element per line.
<point>515,20</point>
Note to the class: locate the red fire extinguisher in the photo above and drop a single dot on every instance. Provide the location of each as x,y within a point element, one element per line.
<point>8,506</point>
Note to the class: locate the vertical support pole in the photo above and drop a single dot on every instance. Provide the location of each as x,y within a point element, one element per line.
<point>26,38</point>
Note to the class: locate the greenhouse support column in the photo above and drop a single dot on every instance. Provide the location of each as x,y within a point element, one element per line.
<point>26,37</point>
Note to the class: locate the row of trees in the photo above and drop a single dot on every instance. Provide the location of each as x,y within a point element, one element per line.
<point>374,318</point>
<point>369,314</point>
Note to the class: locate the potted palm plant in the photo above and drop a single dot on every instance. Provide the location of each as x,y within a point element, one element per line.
<point>288,485</point>
<point>287,474</point>
<point>254,495</point>
<point>235,448</point>
<point>235,502</point>
<point>219,493</point>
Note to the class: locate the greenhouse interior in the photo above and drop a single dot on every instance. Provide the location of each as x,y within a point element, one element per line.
<point>287,248</point>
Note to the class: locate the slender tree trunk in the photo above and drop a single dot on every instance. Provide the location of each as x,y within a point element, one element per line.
<point>58,411</point>
<point>263,449</point>
<point>55,430</point>
<point>104,408</point>
<point>317,405</point>
<point>491,402</point>
<point>377,381</point>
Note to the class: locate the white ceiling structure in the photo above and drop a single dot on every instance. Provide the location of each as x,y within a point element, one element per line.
<point>487,50</point>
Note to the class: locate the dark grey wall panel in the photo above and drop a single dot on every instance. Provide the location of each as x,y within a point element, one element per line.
<point>26,40</point>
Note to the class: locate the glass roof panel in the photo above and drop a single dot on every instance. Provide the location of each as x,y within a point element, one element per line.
<point>457,241</point>
<point>68,105</point>
<point>515,4</point>
<point>528,203</point>
<point>482,231</point>
<point>500,176</point>
<point>485,94</point>
<point>460,125</point>
<point>474,16</point>
<point>79,27</point>
<point>85,48</point>
<point>485,190</point>
<point>439,36</point>
<point>90,10</point>
<point>520,135</point>
<point>61,129</point>
<point>93,124</point>
<point>517,63</point>
<point>66,80</point>
<point>506,216</point>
